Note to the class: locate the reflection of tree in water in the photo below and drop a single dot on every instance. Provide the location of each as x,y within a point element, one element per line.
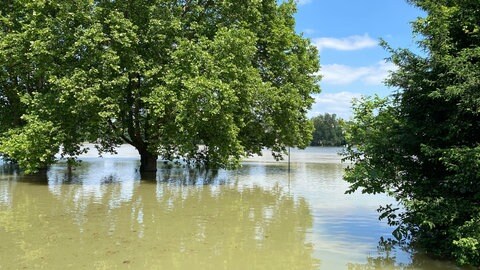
<point>18,217</point>
<point>385,259</point>
<point>189,219</point>
<point>191,177</point>
<point>380,262</point>
<point>164,225</point>
<point>229,226</point>
<point>383,262</point>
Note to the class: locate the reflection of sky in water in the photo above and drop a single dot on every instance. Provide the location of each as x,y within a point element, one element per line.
<point>5,196</point>
<point>340,221</point>
<point>92,178</point>
<point>345,228</point>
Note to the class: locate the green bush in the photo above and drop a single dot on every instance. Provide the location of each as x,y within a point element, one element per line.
<point>421,145</point>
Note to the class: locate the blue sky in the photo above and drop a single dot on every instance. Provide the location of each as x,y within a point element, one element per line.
<point>347,33</point>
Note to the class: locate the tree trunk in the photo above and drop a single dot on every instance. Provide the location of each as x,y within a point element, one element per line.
<point>148,161</point>
<point>41,176</point>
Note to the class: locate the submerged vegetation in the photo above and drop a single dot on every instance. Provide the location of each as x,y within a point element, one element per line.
<point>422,145</point>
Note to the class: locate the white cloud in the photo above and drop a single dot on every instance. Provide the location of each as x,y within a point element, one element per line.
<point>350,43</point>
<point>380,72</point>
<point>342,75</point>
<point>336,103</point>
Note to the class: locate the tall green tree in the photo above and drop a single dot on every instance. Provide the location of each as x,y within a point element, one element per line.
<point>162,75</point>
<point>328,130</point>
<point>35,37</point>
<point>422,145</point>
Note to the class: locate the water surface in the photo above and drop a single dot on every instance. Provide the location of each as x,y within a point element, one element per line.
<point>103,216</point>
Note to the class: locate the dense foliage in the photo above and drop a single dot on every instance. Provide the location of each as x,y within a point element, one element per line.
<point>328,130</point>
<point>423,144</point>
<point>162,75</point>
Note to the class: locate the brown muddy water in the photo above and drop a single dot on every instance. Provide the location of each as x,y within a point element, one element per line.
<point>103,216</point>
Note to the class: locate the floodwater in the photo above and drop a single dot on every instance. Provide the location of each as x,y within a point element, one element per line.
<point>103,216</point>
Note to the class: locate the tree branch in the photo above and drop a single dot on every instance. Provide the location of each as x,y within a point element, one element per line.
<point>112,125</point>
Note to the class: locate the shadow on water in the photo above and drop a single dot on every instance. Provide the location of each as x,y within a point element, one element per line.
<point>180,175</point>
<point>386,258</point>
<point>11,172</point>
<point>190,176</point>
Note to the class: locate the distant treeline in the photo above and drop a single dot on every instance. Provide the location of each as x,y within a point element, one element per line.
<point>328,130</point>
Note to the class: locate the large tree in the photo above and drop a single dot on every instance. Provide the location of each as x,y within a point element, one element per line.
<point>162,75</point>
<point>422,145</point>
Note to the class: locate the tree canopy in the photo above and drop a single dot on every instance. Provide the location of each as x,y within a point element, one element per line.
<point>162,75</point>
<point>422,145</point>
<point>328,130</point>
